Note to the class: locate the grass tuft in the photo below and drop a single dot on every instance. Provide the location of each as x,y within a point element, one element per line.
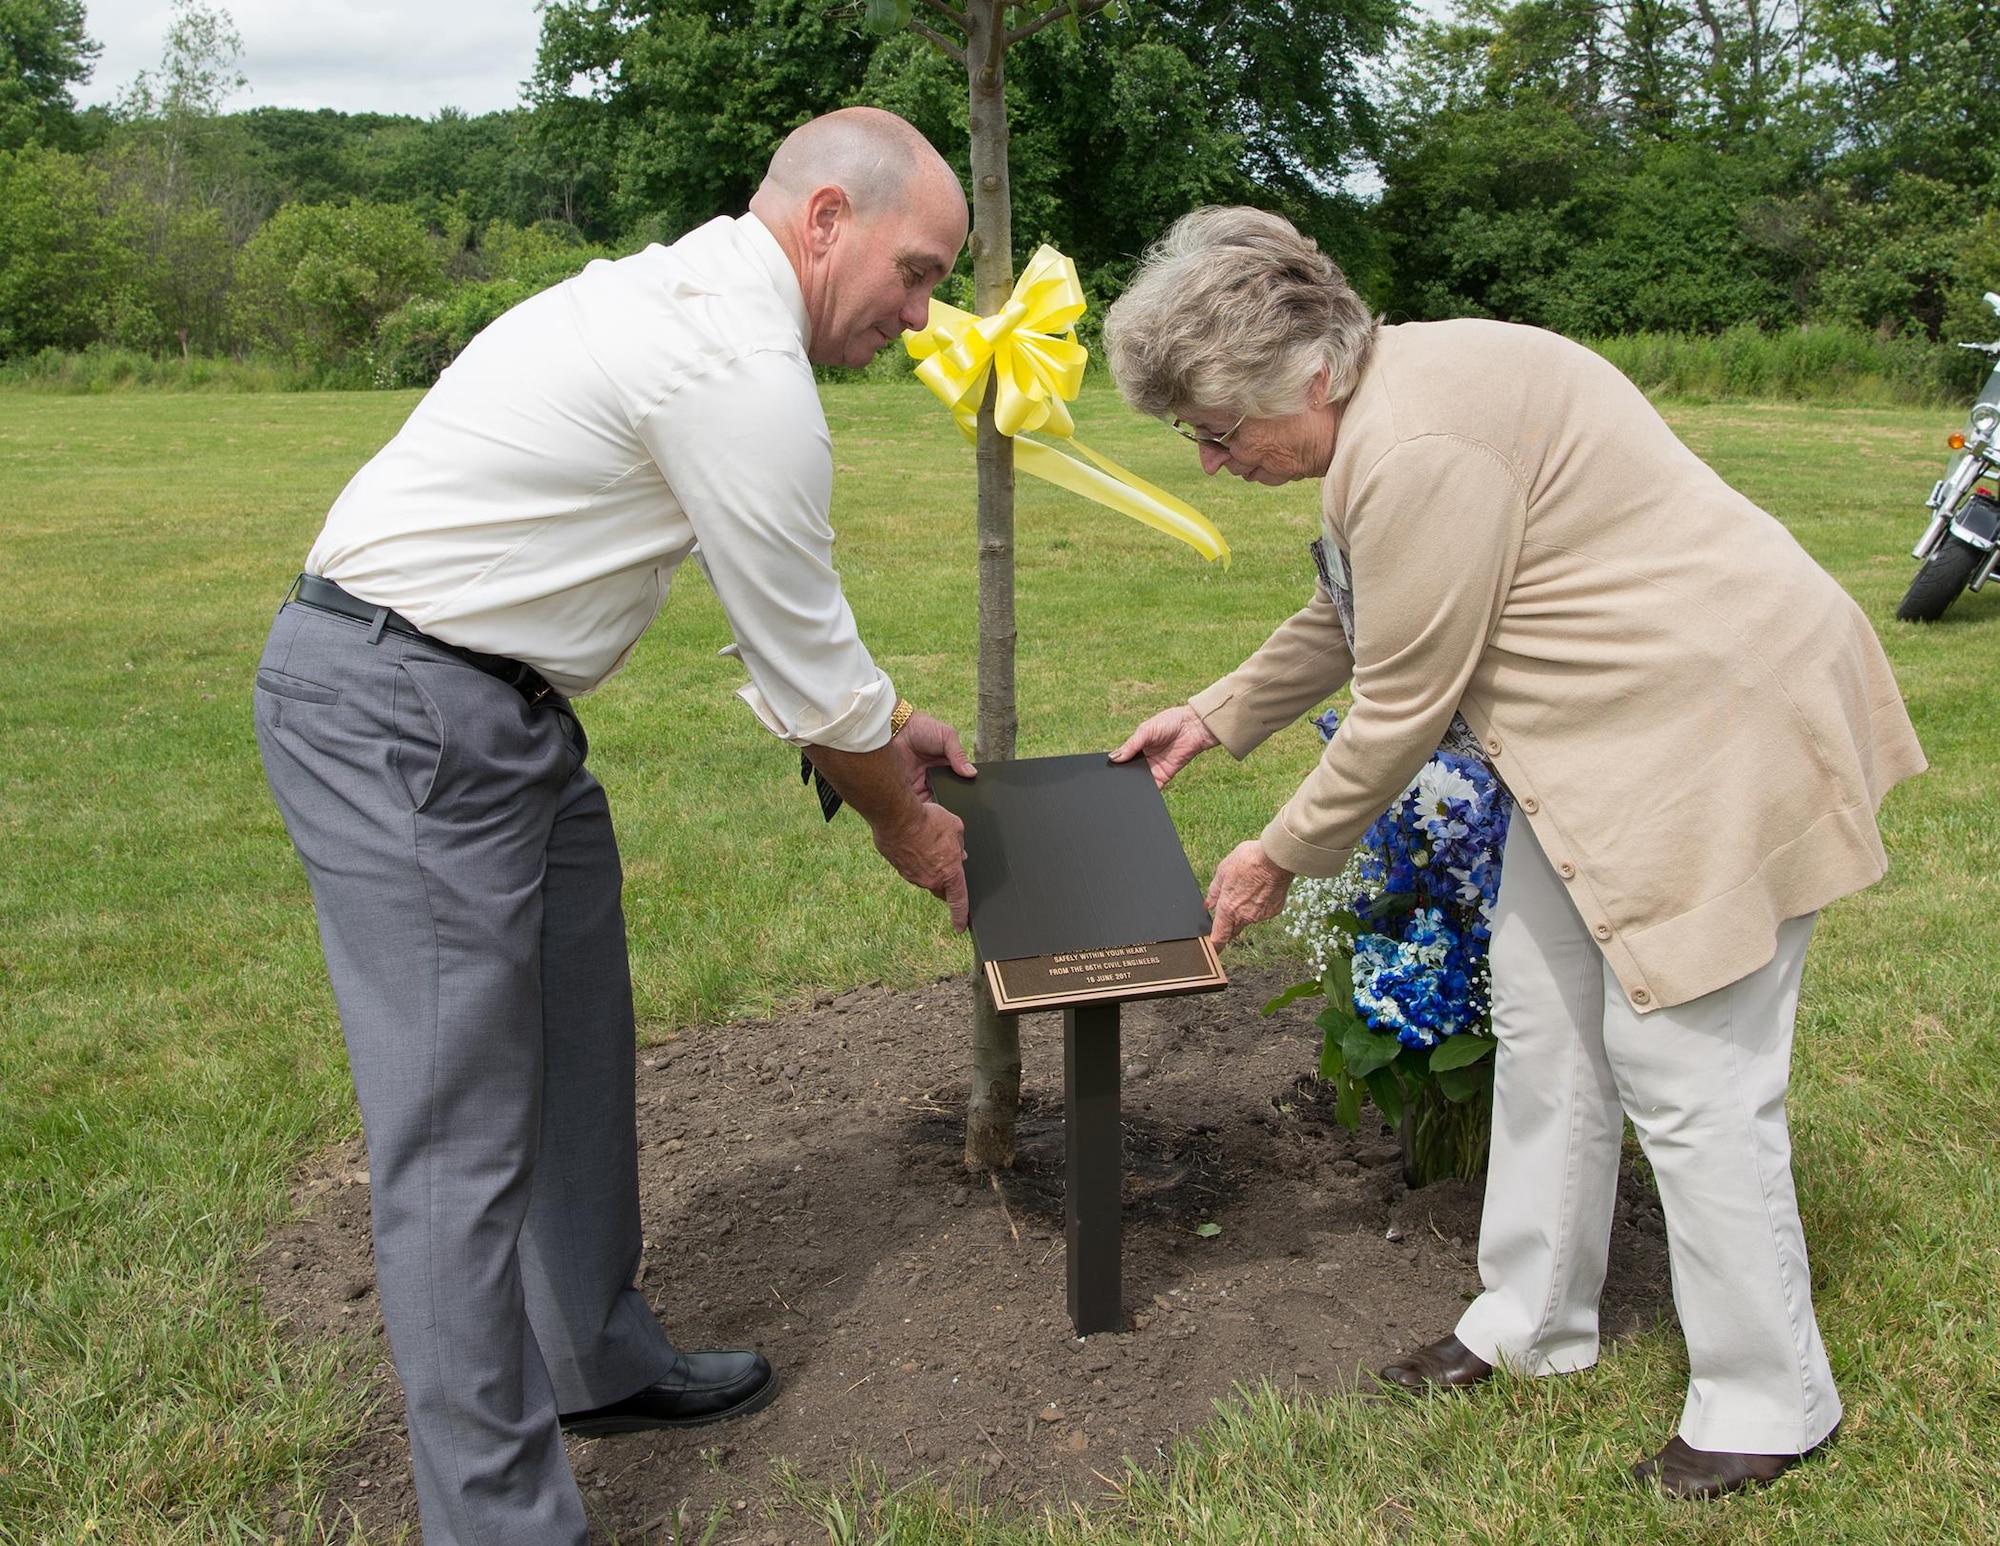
<point>1823,363</point>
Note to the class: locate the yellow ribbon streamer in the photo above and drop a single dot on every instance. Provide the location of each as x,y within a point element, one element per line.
<point>1030,345</point>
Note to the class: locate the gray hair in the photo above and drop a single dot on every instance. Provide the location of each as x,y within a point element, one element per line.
<point>1232,311</point>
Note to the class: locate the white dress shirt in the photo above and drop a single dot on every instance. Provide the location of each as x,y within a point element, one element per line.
<point>539,499</point>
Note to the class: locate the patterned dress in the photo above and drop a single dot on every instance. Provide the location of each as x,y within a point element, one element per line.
<point>1331,564</point>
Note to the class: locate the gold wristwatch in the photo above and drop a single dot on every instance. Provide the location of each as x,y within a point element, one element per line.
<point>899,716</point>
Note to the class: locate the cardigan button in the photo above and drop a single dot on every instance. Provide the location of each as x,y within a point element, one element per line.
<point>1493,745</point>
<point>1530,804</point>
<point>1641,996</point>
<point>1566,870</point>
<point>1602,931</point>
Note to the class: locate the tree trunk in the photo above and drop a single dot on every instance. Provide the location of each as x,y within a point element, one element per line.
<point>992,246</point>
<point>996,1042</point>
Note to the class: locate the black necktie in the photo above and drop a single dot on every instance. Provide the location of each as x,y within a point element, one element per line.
<point>829,797</point>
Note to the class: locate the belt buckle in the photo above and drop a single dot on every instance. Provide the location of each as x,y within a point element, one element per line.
<point>529,683</point>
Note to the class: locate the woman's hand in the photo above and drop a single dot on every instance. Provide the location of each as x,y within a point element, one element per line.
<point>1170,740</point>
<point>1247,889</point>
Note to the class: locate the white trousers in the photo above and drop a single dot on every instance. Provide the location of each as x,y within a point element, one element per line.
<point>1704,1085</point>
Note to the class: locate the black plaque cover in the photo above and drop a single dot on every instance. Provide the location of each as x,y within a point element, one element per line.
<point>1068,854</point>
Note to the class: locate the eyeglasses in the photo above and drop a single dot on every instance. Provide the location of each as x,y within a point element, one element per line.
<point>1203,438</point>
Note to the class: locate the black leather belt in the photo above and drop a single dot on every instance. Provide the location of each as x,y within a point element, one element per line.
<point>324,596</point>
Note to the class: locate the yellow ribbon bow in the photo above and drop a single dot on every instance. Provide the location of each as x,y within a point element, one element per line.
<point>1031,344</point>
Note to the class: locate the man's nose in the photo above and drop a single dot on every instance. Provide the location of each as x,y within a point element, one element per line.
<point>916,313</point>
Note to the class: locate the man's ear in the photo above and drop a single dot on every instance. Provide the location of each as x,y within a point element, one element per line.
<point>827,210</point>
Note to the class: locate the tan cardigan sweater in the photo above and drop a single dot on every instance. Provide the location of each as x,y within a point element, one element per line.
<point>1696,720</point>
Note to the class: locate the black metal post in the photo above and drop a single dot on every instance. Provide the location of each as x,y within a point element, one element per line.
<point>1093,1141</point>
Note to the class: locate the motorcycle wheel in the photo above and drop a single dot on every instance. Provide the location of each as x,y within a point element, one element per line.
<point>1939,581</point>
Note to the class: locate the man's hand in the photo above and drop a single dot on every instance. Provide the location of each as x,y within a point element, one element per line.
<point>1170,740</point>
<point>886,789</point>
<point>927,743</point>
<point>1247,889</point>
<point>929,851</point>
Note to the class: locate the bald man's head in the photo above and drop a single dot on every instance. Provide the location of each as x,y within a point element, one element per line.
<point>878,159</point>
<point>872,219</point>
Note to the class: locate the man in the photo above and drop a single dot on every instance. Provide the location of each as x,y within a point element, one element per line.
<point>502,554</point>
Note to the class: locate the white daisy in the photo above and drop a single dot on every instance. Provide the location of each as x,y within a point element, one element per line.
<point>1437,784</point>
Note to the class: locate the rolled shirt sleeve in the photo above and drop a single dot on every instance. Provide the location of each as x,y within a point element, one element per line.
<point>746,449</point>
<point>1433,532</point>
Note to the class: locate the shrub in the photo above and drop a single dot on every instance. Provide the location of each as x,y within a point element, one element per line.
<point>316,279</point>
<point>67,271</point>
<point>413,344</point>
<point>1967,318</point>
<point>541,254</point>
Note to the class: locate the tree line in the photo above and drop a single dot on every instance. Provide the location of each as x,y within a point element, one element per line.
<point>1601,167</point>
<point>1629,165</point>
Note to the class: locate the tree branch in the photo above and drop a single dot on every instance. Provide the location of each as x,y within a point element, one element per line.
<point>939,41</point>
<point>949,12</point>
<point>1078,8</point>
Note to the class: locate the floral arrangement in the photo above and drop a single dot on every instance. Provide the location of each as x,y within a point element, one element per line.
<point>1398,945</point>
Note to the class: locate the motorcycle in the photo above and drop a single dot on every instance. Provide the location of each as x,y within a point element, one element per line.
<point>1961,545</point>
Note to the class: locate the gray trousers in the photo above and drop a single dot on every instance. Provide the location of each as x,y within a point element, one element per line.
<point>467,885</point>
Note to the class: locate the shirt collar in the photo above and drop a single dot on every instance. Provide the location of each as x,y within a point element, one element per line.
<point>757,237</point>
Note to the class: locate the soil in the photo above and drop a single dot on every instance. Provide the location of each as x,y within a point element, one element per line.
<point>804,1194</point>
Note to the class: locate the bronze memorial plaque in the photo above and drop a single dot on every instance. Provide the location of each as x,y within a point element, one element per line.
<point>1116,972</point>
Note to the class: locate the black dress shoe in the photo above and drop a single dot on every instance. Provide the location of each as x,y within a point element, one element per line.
<point>1686,1472</point>
<point>699,1388</point>
<point>1448,1363</point>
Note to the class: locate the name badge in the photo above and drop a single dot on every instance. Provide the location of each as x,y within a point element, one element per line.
<point>1328,565</point>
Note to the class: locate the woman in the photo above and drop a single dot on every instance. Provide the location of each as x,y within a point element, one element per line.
<point>1697,725</point>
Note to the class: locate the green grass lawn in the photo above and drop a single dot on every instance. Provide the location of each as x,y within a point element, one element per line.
<point>168,1048</point>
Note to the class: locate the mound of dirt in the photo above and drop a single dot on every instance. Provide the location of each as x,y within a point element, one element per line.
<point>803,1194</point>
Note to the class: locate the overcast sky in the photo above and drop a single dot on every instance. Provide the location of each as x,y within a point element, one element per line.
<point>383,56</point>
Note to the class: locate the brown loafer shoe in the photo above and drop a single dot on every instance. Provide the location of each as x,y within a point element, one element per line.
<point>1682,1471</point>
<point>1448,1363</point>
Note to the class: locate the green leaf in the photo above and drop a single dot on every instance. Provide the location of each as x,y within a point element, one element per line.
<point>1459,1085</point>
<point>1337,983</point>
<point>888,15</point>
<point>1460,1051</point>
<point>1386,1090</point>
<point>1337,1019</point>
<point>1208,1231</point>
<point>1395,904</point>
<point>1291,995</point>
<point>1338,980</point>
<point>1347,1104</point>
<point>1367,1050</point>
<point>1331,1064</point>
<point>1348,922</point>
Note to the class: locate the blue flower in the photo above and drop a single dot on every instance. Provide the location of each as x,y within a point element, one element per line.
<point>1414,987</point>
<point>1423,881</point>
